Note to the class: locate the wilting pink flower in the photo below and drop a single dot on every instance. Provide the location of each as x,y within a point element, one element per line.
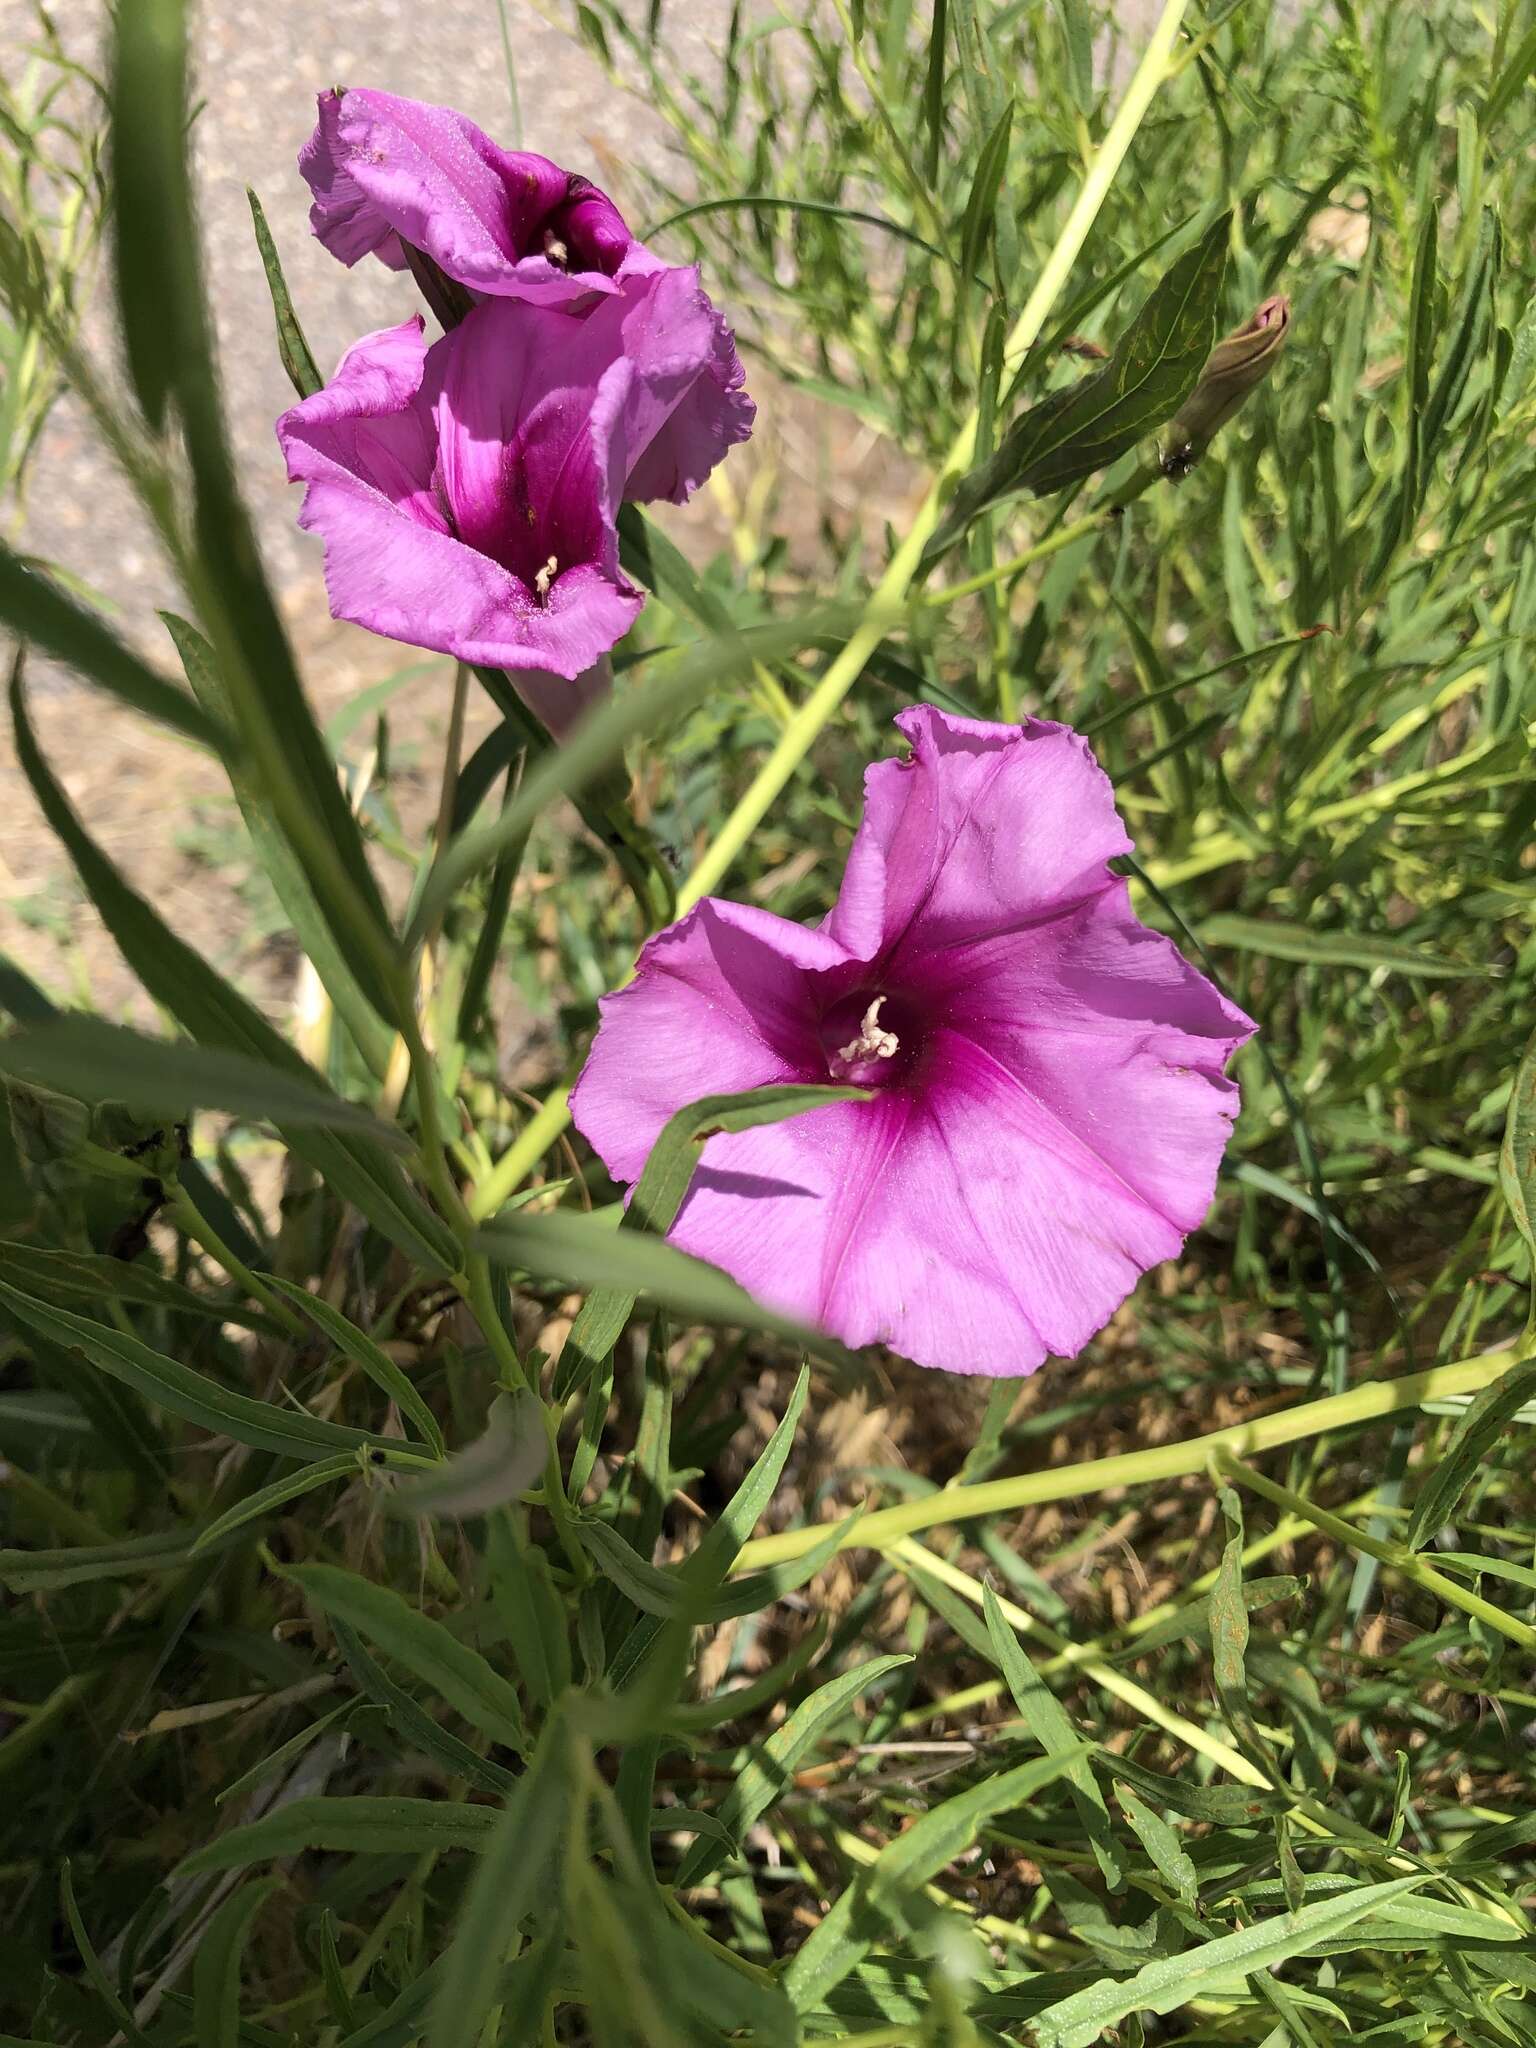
<point>506,224</point>
<point>467,491</point>
<point>1048,1106</point>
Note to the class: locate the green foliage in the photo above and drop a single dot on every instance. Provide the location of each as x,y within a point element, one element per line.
<point>370,1679</point>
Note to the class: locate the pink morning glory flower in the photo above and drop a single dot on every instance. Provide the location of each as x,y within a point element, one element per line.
<point>506,224</point>
<point>466,492</point>
<point>1047,1106</point>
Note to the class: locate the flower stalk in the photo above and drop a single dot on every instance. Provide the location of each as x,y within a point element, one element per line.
<point>1372,1402</point>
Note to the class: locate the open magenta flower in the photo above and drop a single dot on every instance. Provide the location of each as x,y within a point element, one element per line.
<point>1048,1107</point>
<point>506,224</point>
<point>467,491</point>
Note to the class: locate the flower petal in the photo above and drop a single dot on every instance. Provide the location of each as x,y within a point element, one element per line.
<point>959,1221</point>
<point>342,216</point>
<point>719,1003</point>
<point>383,167</point>
<point>710,414</point>
<point>526,413</point>
<point>984,828</point>
<point>365,446</point>
<point>1111,1031</point>
<point>542,414</point>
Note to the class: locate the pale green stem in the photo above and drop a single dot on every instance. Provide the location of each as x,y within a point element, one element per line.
<point>1369,1403</point>
<point>1078,1653</point>
<point>475,1285</point>
<point>433,1149</point>
<point>1407,1563</point>
<point>196,1226</point>
<point>908,1554</point>
<point>1001,571</point>
<point>521,1156</point>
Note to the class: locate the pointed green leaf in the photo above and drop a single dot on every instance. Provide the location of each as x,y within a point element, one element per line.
<point>266,1425</point>
<point>38,613</point>
<point>767,1776</point>
<point>513,1881</point>
<point>216,1966</point>
<point>659,1195</point>
<point>358,1826</point>
<point>878,1895</point>
<point>99,1062</point>
<point>1047,1721</point>
<point>292,348</point>
<point>1153,369</point>
<point>354,1344</point>
<point>458,1674</point>
<point>1172,1981</point>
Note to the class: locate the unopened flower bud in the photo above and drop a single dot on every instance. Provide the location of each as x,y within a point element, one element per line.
<point>1236,365</point>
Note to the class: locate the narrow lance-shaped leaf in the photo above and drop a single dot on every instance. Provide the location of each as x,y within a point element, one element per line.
<point>1282,941</point>
<point>169,344</point>
<point>907,1863</point>
<point>1152,371</point>
<point>671,1596</point>
<point>1047,1722</point>
<point>512,1883</point>
<point>65,1276</point>
<point>982,206</point>
<point>769,1774</point>
<point>361,1826</point>
<point>582,1252</point>
<point>458,1674</point>
<point>38,611</point>
<point>1172,1981</point>
<point>723,1541</point>
<point>216,1966</point>
<point>1468,1450</point>
<point>291,345</point>
<point>283,869</point>
<point>356,1345</point>
<point>265,1425</point>
<point>1517,1163</point>
<point>94,1061</point>
<point>414,1722</point>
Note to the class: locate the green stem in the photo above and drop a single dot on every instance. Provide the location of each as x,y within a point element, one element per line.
<point>481,1296</point>
<point>196,1226</point>
<point>521,1156</point>
<point>20,1745</point>
<point>1369,1403</point>
<point>1001,571</point>
<point>434,1156</point>
<point>1405,1562</point>
<point>893,586</point>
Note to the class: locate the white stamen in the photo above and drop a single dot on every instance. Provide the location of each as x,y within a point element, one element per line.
<point>556,250</point>
<point>872,1043</point>
<point>545,577</point>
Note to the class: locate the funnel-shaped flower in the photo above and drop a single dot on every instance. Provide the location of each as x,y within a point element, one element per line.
<point>506,224</point>
<point>502,221</point>
<point>467,492</point>
<point>1047,1109</point>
